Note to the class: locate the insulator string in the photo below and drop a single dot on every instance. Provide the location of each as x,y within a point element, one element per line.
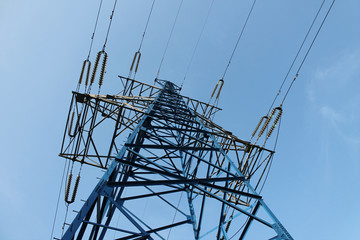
<point>296,56</point>
<point>239,38</point>
<point>96,65</point>
<point>102,52</point>
<point>66,204</point>
<point>312,43</point>
<point>103,71</point>
<point>135,63</point>
<point>277,118</point>
<point>197,43</point>
<point>168,41</point>
<point>87,63</point>
<point>67,189</point>
<point>298,70</point>
<point>137,55</point>
<point>259,124</point>
<point>276,140</point>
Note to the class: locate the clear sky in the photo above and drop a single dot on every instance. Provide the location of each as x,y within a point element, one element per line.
<point>314,183</point>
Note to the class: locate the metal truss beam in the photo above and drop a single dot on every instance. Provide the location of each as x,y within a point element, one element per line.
<point>173,149</point>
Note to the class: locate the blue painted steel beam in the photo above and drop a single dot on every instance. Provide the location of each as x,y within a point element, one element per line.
<point>173,146</point>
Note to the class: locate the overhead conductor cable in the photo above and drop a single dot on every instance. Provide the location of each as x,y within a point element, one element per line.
<point>168,41</point>
<point>233,52</point>
<point>312,43</point>
<point>103,54</point>
<point>137,55</point>
<point>87,63</point>
<point>295,77</point>
<point>239,38</point>
<point>296,56</point>
<point>278,117</point>
<point>197,43</point>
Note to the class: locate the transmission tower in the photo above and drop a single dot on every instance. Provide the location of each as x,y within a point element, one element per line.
<point>178,175</point>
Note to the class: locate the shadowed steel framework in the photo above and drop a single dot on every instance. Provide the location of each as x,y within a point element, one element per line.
<point>178,175</point>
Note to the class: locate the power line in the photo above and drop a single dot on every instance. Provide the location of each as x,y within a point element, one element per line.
<point>168,41</point>
<point>147,23</point>
<point>197,43</point>
<point>238,40</point>
<point>137,56</point>
<point>108,31</point>
<point>297,54</point>
<point>93,34</point>
<point>312,43</point>
<point>87,64</point>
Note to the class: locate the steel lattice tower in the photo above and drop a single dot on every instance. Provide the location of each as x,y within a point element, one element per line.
<point>197,180</point>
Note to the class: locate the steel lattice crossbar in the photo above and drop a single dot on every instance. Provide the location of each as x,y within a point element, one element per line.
<point>199,180</point>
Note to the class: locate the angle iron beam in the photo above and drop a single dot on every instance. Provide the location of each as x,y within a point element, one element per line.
<point>248,223</point>
<point>202,181</point>
<point>151,195</point>
<point>158,229</point>
<point>171,147</point>
<point>112,228</point>
<point>236,208</point>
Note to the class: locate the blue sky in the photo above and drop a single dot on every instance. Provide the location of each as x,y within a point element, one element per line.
<point>314,183</point>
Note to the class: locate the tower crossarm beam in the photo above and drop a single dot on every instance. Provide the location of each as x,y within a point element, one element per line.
<point>201,181</point>
<point>171,151</point>
<point>158,229</point>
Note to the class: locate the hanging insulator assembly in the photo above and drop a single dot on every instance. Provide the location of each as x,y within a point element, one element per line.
<point>266,123</point>
<point>212,95</point>
<point>76,186</point>
<point>219,84</point>
<point>220,87</point>
<point>87,73</point>
<point>275,121</point>
<point>103,67</point>
<point>86,65</point>
<point>67,190</point>
<point>136,59</point>
<point>71,123</point>
<point>82,72</point>
<point>95,67</point>
<point>257,127</point>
